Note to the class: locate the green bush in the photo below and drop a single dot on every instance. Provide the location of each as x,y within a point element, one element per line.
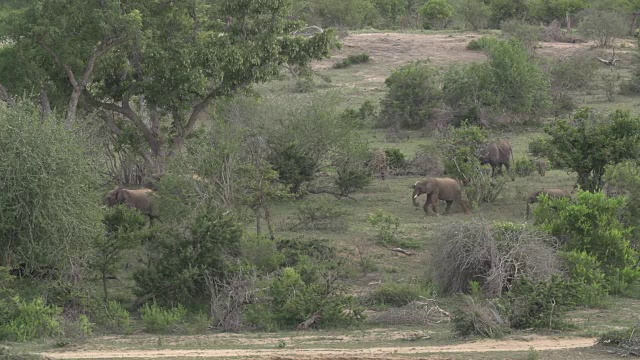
<point>321,214</point>
<point>413,93</point>
<point>294,167</point>
<point>49,190</point>
<point>361,116</point>
<point>395,158</point>
<point>385,225</point>
<point>475,316</point>
<point>31,320</point>
<point>586,276</point>
<point>481,43</point>
<point>522,31</point>
<point>590,223</point>
<point>460,147</point>
<point>261,252</point>
<point>603,27</point>
<point>436,14</point>
<point>482,188</point>
<point>113,318</point>
<point>351,60</point>
<point>157,320</point>
<point>474,13</point>
<point>395,294</point>
<point>524,166</point>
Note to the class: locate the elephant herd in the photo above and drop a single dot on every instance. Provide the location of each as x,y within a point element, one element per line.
<point>496,154</point>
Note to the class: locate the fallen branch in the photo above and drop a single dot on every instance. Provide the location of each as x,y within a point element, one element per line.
<point>400,250</point>
<point>610,62</point>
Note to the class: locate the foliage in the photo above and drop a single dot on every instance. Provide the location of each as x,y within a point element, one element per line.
<point>625,177</point>
<point>157,320</point>
<point>591,224</point>
<point>572,73</point>
<point>30,320</point>
<point>481,43</point>
<point>362,116</point>
<point>510,80</point>
<point>288,301</point>
<point>474,13</point>
<point>413,93</point>
<point>436,14</point>
<point>294,167</point>
<point>495,255</point>
<point>321,213</point>
<point>590,141</point>
<point>48,191</point>
<point>546,11</point>
<point>352,60</point>
<point>476,316</point>
<point>585,275</point>
<point>602,27</point>
<point>482,188</point>
<point>460,148</point>
<point>395,158</point>
<point>261,252</point>
<point>351,14</point>
<point>524,166</point>
<point>113,317</point>
<point>502,10</point>
<point>182,258</point>
<point>538,304</point>
<point>626,341</point>
<point>351,167</point>
<point>385,226</point>
<point>124,230</point>
<point>520,30</point>
<point>610,81</point>
<point>395,294</point>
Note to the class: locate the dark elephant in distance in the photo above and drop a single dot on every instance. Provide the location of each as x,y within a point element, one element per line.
<point>552,193</point>
<point>437,189</point>
<point>141,199</point>
<point>496,154</point>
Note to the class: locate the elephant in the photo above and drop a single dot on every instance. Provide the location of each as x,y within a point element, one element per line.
<point>141,199</point>
<point>541,166</point>
<point>496,154</point>
<point>437,189</point>
<point>552,193</point>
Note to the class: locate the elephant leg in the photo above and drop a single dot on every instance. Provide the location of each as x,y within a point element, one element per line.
<point>449,202</point>
<point>426,204</point>
<point>493,170</point>
<point>434,204</point>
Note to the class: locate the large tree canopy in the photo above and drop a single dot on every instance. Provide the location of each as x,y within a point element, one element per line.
<point>139,62</point>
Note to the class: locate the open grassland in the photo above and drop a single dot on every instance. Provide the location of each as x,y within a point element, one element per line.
<point>374,264</point>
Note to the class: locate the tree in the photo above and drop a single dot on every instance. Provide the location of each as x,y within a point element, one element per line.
<point>475,13</point>
<point>158,65</point>
<point>590,141</point>
<point>413,93</point>
<point>49,192</point>
<point>502,10</point>
<point>602,27</point>
<point>546,11</point>
<point>436,13</point>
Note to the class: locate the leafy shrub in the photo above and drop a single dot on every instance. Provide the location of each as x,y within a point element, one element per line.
<point>180,260</point>
<point>602,27</point>
<point>395,158</point>
<point>538,304</point>
<point>303,85</point>
<point>352,176</point>
<point>475,13</point>
<point>572,73</point>
<point>491,254</point>
<point>478,317</point>
<point>48,194</point>
<point>460,148</point>
<point>481,43</point>
<point>413,94</point>
<point>385,226</point>
<point>586,276</point>
<point>522,31</point>
<point>436,14</point>
<point>482,188</point>
<point>351,60</point>
<point>81,328</point>
<point>572,143</point>
<point>591,224</point>
<point>294,167</point>
<point>625,178</point>
<point>261,252</point>
<point>31,320</point>
<point>362,116</point>
<point>524,166</point>
<point>395,294</point>
<point>157,320</point>
<point>114,318</point>
<point>321,214</point>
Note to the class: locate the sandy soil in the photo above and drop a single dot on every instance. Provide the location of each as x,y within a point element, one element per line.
<point>377,353</point>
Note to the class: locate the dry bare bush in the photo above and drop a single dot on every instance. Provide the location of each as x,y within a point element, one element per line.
<point>478,317</point>
<point>424,312</point>
<point>425,162</point>
<point>228,299</point>
<point>554,33</point>
<point>493,255</point>
<point>379,164</point>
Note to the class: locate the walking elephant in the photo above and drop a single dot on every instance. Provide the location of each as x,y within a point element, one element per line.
<point>496,154</point>
<point>552,193</point>
<point>141,199</point>
<point>437,189</point>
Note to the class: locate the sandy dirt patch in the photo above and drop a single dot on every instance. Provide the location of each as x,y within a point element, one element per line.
<point>378,353</point>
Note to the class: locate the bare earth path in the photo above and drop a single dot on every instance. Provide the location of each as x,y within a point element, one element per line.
<point>377,353</point>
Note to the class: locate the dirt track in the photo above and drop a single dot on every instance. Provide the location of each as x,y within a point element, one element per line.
<point>377,353</point>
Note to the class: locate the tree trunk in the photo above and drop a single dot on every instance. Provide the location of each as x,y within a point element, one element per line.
<point>267,218</point>
<point>72,109</point>
<point>45,105</point>
<point>258,225</point>
<point>104,286</point>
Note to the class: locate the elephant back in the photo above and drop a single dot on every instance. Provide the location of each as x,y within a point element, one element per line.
<point>448,189</point>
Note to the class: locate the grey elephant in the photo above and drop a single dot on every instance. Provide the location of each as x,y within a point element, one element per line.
<point>141,199</point>
<point>437,189</point>
<point>496,154</point>
<point>541,166</point>
<point>552,193</point>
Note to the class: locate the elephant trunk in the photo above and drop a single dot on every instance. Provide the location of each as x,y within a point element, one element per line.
<point>415,197</point>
